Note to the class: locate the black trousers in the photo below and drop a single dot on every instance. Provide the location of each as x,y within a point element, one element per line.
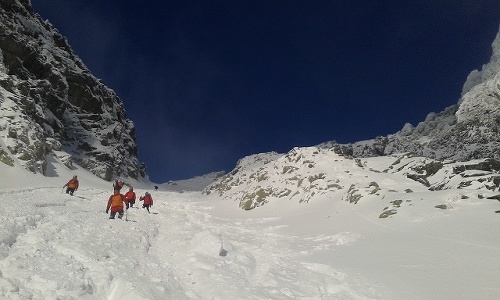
<point>130,202</point>
<point>113,213</point>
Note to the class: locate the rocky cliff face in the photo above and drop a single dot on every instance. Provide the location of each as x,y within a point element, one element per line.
<point>468,130</point>
<point>52,107</point>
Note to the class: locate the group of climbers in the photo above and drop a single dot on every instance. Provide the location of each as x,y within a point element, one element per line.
<point>117,201</point>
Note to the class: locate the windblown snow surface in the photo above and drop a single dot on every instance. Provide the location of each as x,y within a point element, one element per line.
<point>194,246</point>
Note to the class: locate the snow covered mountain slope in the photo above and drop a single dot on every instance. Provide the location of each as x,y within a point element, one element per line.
<point>386,224</point>
<point>198,183</point>
<point>372,230</point>
<point>437,154</point>
<point>311,174</point>
<point>52,106</point>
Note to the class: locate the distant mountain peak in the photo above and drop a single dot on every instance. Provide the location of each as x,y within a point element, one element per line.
<point>467,130</point>
<point>488,70</point>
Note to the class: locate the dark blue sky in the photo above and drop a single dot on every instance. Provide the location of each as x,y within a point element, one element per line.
<point>209,82</point>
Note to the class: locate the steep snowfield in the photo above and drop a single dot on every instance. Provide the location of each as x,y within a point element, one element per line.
<point>193,246</point>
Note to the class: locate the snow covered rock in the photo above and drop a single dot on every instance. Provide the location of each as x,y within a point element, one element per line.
<point>51,105</point>
<point>315,175</point>
<point>488,71</point>
<point>454,149</point>
<point>465,131</point>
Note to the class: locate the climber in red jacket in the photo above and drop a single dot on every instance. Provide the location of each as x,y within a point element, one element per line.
<point>130,198</point>
<point>72,185</point>
<point>148,201</point>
